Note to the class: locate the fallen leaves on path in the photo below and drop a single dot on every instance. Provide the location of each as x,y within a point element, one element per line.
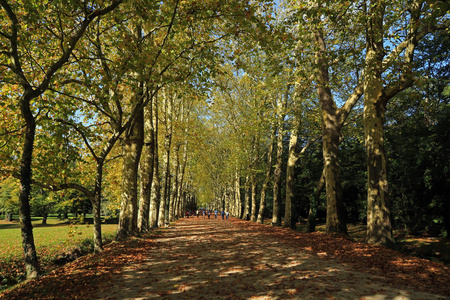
<point>396,267</point>
<point>196,251</point>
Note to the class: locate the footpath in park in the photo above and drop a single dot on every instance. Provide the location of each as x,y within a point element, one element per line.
<point>198,258</point>
<point>232,259</point>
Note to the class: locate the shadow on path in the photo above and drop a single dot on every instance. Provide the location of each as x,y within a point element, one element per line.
<point>216,259</point>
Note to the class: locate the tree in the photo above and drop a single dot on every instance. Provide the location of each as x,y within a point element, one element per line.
<point>416,129</point>
<point>9,196</point>
<point>422,18</point>
<point>15,36</point>
<point>322,32</point>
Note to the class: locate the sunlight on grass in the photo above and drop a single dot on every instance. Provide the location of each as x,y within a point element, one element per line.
<point>49,241</point>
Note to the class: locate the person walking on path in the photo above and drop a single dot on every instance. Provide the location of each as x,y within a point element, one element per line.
<point>227,214</point>
<point>187,214</point>
<point>223,214</point>
<point>209,214</point>
<point>215,212</point>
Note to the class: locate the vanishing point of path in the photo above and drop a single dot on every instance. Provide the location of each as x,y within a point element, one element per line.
<point>223,259</point>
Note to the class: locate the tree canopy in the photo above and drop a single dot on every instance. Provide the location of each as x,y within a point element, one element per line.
<point>143,110</point>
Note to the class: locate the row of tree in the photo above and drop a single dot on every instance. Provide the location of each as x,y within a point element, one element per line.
<point>44,203</point>
<point>333,63</point>
<point>77,78</point>
<point>155,107</point>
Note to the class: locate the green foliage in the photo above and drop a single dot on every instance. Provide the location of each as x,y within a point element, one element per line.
<point>418,142</point>
<point>9,196</point>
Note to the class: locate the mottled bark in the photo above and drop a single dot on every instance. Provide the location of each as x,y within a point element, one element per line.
<point>379,229</point>
<point>164,199</point>
<point>237,194</point>
<point>253,180</point>
<point>290,170</point>
<point>156,183</point>
<point>246,198</point>
<point>276,213</point>
<point>146,170</point>
<point>31,260</point>
<point>253,197</point>
<point>173,197</point>
<point>132,144</point>
<point>181,204</point>
<point>335,222</point>
<point>96,207</point>
<point>163,213</point>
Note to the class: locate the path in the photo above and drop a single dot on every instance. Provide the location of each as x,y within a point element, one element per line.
<point>215,259</point>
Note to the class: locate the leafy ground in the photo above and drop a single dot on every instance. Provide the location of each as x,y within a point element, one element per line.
<point>423,246</point>
<point>53,239</point>
<point>235,259</point>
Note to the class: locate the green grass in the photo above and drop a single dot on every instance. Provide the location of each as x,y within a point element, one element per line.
<point>55,238</point>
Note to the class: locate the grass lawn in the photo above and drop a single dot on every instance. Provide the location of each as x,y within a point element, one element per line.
<point>56,237</point>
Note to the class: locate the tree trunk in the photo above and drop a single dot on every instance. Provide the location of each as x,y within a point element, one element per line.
<point>156,183</point>
<point>290,170</point>
<point>164,201</point>
<point>237,194</point>
<point>173,196</point>
<point>180,205</point>
<point>262,201</point>
<point>155,198</point>
<point>335,222</point>
<point>379,229</point>
<point>314,203</point>
<point>246,213</point>
<point>44,218</point>
<point>96,208</point>
<point>31,259</point>
<point>131,151</point>
<point>163,214</point>
<point>253,178</point>
<point>276,215</point>
<point>146,170</point>
<point>253,197</point>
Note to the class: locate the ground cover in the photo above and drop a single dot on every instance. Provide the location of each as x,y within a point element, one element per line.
<point>425,246</point>
<point>52,240</point>
<point>235,259</point>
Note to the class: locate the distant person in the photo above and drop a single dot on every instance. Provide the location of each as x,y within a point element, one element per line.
<point>223,214</point>
<point>227,214</point>
<point>209,214</point>
<point>197,213</point>
<point>215,212</point>
<point>187,214</point>
<point>204,213</point>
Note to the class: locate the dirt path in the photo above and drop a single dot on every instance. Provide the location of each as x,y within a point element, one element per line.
<point>216,259</point>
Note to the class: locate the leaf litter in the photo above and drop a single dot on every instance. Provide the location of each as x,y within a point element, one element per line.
<point>235,259</point>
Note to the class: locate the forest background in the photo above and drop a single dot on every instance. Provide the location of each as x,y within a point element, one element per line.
<point>294,111</point>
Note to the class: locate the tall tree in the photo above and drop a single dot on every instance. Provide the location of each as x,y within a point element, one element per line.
<point>156,182</point>
<point>281,102</point>
<point>262,202</point>
<point>168,98</point>
<point>35,86</point>
<point>422,18</point>
<point>146,169</point>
